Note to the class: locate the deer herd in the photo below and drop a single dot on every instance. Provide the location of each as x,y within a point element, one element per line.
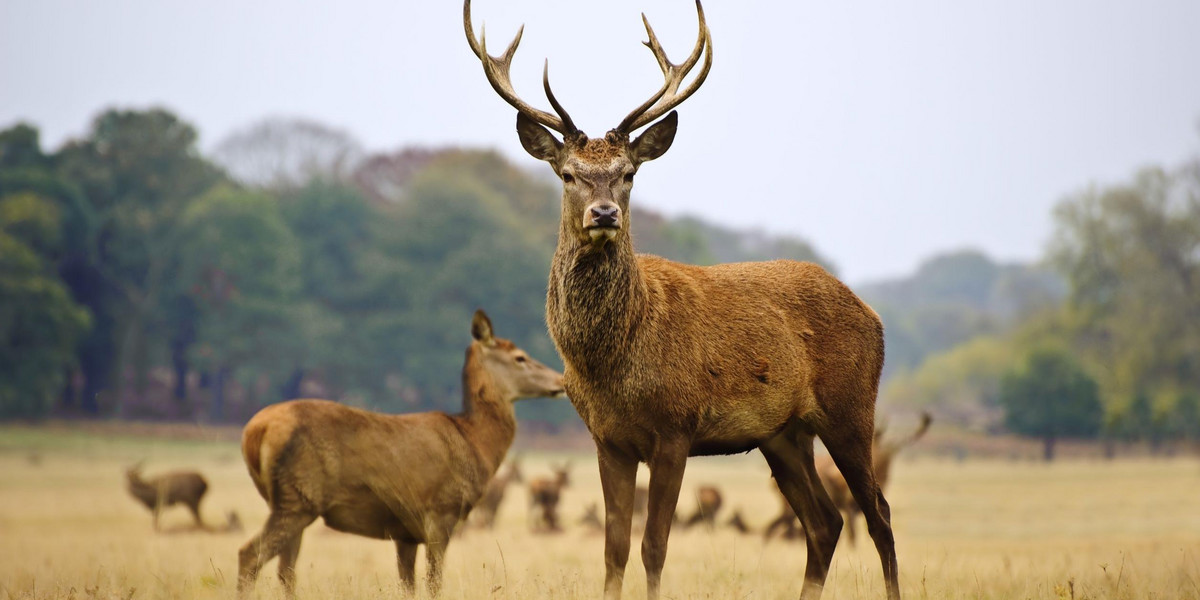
<point>663,361</point>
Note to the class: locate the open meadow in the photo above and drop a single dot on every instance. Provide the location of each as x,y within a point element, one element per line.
<point>971,529</point>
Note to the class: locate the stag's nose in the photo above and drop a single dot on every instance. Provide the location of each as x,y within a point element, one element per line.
<point>605,216</point>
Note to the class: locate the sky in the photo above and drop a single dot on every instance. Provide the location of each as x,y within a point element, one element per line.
<point>882,132</point>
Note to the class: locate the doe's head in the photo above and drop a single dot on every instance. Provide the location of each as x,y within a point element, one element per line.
<point>513,371</point>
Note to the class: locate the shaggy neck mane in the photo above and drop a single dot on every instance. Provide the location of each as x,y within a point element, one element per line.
<point>595,302</point>
<point>487,419</point>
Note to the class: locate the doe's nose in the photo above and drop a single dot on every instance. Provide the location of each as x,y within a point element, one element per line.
<point>605,216</point>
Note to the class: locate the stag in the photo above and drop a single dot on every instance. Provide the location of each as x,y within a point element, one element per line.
<point>666,361</point>
<point>544,494</point>
<point>884,453</point>
<point>485,511</point>
<point>407,478</point>
<point>158,492</point>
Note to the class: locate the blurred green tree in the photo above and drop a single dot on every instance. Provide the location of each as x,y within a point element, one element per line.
<point>1048,395</point>
<point>239,264</point>
<point>1131,255</point>
<point>40,324</point>
<point>137,171</point>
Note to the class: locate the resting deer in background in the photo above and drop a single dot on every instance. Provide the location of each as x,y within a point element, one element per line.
<point>544,494</point>
<point>158,492</point>
<point>666,361</point>
<point>485,511</point>
<point>884,453</point>
<point>708,502</point>
<point>408,478</point>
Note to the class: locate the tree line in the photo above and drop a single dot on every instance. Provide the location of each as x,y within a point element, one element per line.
<point>140,278</point>
<point>1110,352</point>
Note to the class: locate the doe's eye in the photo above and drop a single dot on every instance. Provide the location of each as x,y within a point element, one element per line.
<point>568,178</point>
<point>521,359</point>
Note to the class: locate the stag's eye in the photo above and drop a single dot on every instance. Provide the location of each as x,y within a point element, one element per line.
<point>568,178</point>
<point>629,178</point>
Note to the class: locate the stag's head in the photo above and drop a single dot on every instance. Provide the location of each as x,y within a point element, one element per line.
<point>515,373</point>
<point>597,173</point>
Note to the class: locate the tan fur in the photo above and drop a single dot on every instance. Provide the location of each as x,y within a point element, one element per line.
<point>407,478</point>
<point>158,492</point>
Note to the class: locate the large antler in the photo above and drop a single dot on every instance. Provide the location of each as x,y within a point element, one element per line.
<point>669,96</point>
<point>496,68</point>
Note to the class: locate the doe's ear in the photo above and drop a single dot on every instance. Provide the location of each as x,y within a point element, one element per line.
<point>481,327</point>
<point>537,140</point>
<point>655,141</point>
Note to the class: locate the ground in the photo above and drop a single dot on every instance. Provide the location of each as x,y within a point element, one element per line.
<point>994,528</point>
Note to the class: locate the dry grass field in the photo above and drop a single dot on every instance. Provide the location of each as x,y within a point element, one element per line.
<point>973,529</point>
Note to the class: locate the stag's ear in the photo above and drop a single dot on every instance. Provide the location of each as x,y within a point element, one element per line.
<point>481,327</point>
<point>537,140</point>
<point>655,141</point>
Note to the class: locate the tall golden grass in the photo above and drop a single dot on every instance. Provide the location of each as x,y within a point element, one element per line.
<point>1128,529</point>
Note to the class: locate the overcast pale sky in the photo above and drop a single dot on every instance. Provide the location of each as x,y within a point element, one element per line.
<point>881,131</point>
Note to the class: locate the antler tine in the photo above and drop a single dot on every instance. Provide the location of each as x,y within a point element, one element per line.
<point>668,96</point>
<point>496,68</point>
<point>566,119</point>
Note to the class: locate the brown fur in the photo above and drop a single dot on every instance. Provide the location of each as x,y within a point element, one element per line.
<point>408,478</point>
<point>708,502</point>
<point>158,492</point>
<point>484,514</point>
<point>544,495</point>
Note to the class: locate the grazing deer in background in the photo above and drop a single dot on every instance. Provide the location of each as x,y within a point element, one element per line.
<point>666,361</point>
<point>708,502</point>
<point>544,494</point>
<point>484,514</point>
<point>884,453</point>
<point>158,492</point>
<point>407,478</point>
<point>737,522</point>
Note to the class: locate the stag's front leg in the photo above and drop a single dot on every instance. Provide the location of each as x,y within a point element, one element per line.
<point>666,475</point>
<point>618,477</point>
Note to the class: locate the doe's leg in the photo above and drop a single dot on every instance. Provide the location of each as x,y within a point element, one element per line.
<point>435,557</point>
<point>287,564</point>
<point>279,530</point>
<point>406,560</point>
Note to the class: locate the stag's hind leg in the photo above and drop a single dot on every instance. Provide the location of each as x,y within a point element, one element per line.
<point>280,529</point>
<point>790,456</point>
<point>851,451</point>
